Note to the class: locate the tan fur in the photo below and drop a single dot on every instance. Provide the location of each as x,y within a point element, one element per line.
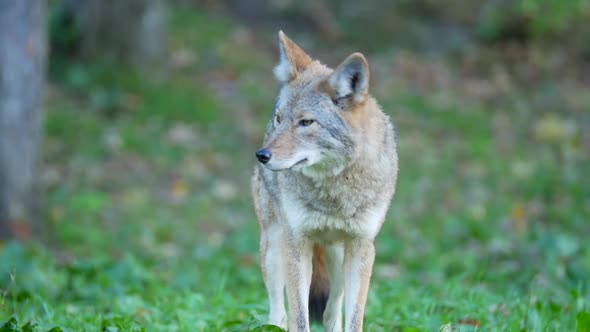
<point>284,145</point>
<point>322,195</point>
<point>320,283</point>
<point>295,53</point>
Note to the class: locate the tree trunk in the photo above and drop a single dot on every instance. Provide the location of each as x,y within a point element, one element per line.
<point>23,53</point>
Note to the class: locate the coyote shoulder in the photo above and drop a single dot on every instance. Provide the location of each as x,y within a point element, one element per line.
<point>326,175</point>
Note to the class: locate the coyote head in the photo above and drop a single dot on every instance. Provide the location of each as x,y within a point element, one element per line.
<point>319,113</point>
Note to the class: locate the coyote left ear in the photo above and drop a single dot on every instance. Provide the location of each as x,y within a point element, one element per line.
<point>293,59</point>
<point>351,79</point>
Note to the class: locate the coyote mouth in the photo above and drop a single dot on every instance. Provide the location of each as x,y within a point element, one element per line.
<point>300,162</point>
<point>278,168</point>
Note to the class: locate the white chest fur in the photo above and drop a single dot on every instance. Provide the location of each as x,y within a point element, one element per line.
<point>328,227</point>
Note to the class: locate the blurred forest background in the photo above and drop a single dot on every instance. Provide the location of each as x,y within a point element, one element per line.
<point>127,139</point>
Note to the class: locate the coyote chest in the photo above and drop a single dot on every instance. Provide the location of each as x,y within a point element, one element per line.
<point>334,208</point>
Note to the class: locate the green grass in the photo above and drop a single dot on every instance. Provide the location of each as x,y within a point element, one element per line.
<point>152,226</point>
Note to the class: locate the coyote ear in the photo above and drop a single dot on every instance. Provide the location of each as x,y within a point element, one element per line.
<point>350,80</point>
<point>293,59</point>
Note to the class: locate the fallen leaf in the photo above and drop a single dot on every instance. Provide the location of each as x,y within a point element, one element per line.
<point>178,190</point>
<point>519,219</point>
<point>469,321</point>
<point>21,229</point>
<point>552,128</point>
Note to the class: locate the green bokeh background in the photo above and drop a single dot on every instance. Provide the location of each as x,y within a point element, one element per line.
<point>146,171</point>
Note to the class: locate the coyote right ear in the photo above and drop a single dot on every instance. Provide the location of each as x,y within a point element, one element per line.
<point>350,80</point>
<point>293,60</point>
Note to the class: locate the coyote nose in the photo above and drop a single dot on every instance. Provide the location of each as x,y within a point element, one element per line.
<point>263,155</point>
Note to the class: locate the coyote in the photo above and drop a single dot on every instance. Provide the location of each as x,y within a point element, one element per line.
<point>327,173</point>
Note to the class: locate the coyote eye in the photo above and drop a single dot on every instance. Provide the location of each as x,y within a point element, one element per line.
<point>305,123</point>
<point>278,118</point>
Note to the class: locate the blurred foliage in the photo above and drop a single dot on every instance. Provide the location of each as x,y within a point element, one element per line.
<point>583,322</point>
<point>553,16</point>
<point>147,173</point>
<point>541,20</point>
<point>64,33</point>
<point>430,24</point>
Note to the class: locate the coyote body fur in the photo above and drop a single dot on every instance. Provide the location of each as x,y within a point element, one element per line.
<point>327,175</point>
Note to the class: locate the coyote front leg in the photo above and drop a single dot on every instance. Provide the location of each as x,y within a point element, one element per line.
<point>359,255</point>
<point>299,252</point>
<point>273,267</point>
<point>333,312</point>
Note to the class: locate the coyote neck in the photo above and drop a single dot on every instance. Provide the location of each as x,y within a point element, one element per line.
<point>354,189</point>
